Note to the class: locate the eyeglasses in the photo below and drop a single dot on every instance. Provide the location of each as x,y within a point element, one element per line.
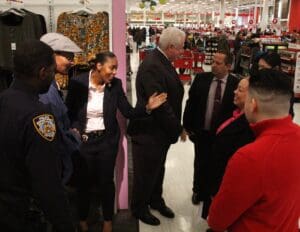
<point>68,55</point>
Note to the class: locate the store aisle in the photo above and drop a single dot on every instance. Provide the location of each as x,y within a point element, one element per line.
<point>178,181</point>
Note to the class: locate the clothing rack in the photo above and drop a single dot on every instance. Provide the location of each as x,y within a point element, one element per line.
<point>19,1</point>
<point>51,13</point>
<point>50,6</point>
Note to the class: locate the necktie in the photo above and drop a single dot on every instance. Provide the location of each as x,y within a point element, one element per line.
<point>217,103</point>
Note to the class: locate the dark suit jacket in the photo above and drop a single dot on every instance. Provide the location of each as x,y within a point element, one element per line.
<point>195,109</point>
<point>226,143</point>
<point>114,98</point>
<point>156,74</point>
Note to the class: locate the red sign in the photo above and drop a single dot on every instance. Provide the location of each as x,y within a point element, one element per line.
<point>233,21</point>
<point>251,21</point>
<point>275,21</point>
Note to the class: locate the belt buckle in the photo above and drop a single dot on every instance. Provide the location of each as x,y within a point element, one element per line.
<point>85,137</point>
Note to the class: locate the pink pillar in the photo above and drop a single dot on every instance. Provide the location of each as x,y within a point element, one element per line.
<point>119,48</point>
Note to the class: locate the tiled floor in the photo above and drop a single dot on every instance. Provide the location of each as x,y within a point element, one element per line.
<point>178,180</point>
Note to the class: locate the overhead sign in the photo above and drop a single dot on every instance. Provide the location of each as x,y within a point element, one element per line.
<point>275,21</point>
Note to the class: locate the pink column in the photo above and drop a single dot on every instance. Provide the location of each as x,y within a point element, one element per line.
<point>119,48</point>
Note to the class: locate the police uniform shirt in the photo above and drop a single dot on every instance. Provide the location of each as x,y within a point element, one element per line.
<point>29,162</point>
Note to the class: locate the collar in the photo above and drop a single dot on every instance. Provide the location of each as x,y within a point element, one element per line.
<point>162,52</point>
<point>92,86</point>
<point>224,79</point>
<point>56,84</point>
<point>23,86</point>
<point>237,112</point>
<point>271,126</point>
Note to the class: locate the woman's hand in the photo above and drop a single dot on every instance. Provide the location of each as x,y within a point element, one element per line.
<point>155,101</point>
<point>76,133</point>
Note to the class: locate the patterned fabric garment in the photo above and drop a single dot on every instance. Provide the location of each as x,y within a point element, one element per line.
<point>89,31</point>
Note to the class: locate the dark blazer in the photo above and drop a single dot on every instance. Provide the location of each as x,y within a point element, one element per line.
<point>114,98</point>
<point>195,109</point>
<point>156,74</point>
<point>226,143</point>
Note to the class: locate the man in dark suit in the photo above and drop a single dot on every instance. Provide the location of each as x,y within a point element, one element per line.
<point>152,136</point>
<point>210,103</point>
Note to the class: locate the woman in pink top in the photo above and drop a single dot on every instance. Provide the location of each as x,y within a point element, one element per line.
<point>230,136</point>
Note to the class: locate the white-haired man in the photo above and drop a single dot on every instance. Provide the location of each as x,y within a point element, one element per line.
<point>152,136</point>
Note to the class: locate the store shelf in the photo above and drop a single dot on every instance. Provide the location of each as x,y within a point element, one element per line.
<point>246,55</point>
<point>288,72</point>
<point>288,60</point>
<point>244,66</point>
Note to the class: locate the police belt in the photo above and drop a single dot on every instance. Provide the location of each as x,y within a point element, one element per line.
<point>92,135</point>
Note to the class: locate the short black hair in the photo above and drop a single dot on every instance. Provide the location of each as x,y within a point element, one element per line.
<point>272,58</point>
<point>30,57</point>
<point>228,56</point>
<point>266,81</point>
<point>101,58</point>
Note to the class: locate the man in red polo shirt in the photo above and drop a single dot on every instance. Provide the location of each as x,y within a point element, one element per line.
<point>260,191</point>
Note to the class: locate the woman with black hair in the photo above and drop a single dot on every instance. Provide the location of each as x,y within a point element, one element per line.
<point>92,101</point>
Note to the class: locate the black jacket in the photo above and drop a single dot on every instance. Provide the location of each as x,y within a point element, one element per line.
<point>114,98</point>
<point>226,143</point>
<point>30,164</point>
<point>156,74</point>
<point>195,109</point>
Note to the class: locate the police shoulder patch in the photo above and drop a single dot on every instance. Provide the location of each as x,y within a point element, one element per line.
<point>45,126</point>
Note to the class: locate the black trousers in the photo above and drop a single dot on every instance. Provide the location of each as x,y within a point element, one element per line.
<point>202,161</point>
<point>99,157</point>
<point>149,170</point>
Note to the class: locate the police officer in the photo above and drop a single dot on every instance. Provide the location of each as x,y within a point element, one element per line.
<point>30,166</point>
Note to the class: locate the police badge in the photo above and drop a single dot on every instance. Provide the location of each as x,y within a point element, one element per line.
<point>45,126</point>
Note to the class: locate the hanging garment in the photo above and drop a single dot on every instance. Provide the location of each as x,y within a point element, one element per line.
<point>15,27</point>
<point>89,31</point>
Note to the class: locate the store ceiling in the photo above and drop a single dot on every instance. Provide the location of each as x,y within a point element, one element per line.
<point>195,5</point>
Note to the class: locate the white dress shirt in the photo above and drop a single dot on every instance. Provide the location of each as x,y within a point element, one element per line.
<point>211,98</point>
<point>94,112</point>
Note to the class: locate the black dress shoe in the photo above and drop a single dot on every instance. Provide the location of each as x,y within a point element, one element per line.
<point>164,210</point>
<point>209,230</point>
<point>196,198</point>
<point>148,218</point>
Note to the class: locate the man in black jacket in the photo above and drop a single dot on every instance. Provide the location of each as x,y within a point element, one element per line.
<point>210,103</point>
<point>30,164</point>
<point>153,135</point>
